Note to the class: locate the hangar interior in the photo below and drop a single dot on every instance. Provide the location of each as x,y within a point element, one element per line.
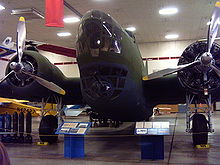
<point>106,145</point>
<point>151,27</point>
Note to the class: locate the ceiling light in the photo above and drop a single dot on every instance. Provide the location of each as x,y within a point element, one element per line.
<point>71,19</point>
<point>168,11</point>
<point>63,34</point>
<point>2,7</point>
<point>131,28</point>
<point>171,36</point>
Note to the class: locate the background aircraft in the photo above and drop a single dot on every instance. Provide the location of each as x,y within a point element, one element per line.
<point>12,105</point>
<point>112,75</point>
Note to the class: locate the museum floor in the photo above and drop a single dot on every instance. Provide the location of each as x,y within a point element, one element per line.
<point>106,146</point>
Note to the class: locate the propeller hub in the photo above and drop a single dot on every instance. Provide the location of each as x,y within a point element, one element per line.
<point>16,66</point>
<point>206,58</point>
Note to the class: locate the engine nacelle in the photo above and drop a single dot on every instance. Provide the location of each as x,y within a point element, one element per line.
<point>33,63</point>
<point>193,78</point>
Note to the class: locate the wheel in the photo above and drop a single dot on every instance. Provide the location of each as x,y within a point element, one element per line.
<point>48,126</point>
<point>199,129</point>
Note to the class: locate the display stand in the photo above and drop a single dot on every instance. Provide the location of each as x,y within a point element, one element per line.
<point>73,146</point>
<point>152,139</point>
<point>74,133</point>
<point>152,147</point>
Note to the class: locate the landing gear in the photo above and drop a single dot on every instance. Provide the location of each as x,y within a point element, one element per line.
<point>199,124</point>
<point>100,121</point>
<point>48,126</point>
<point>199,129</point>
<point>49,123</point>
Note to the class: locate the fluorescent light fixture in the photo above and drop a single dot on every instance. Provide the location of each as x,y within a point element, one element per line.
<point>131,28</point>
<point>63,34</point>
<point>168,11</point>
<point>71,19</point>
<point>171,36</point>
<point>2,7</point>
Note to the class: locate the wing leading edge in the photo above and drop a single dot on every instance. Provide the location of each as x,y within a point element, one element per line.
<point>164,90</point>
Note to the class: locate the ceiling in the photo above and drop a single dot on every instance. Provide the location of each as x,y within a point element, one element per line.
<point>189,22</point>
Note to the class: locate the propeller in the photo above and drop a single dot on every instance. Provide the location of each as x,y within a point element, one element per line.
<point>214,25</point>
<point>3,79</point>
<point>169,71</point>
<point>206,58</point>
<point>18,67</point>
<point>21,37</point>
<point>45,83</point>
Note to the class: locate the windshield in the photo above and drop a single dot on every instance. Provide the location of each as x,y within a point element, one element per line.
<point>95,37</point>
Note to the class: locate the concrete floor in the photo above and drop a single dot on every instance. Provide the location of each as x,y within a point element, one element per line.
<point>119,146</point>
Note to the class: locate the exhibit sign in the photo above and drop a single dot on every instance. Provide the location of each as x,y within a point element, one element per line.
<point>73,128</point>
<point>152,128</point>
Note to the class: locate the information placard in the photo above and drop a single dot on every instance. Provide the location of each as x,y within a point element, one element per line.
<point>73,128</point>
<point>152,128</point>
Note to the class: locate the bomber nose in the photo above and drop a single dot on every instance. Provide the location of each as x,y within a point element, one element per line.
<point>98,15</point>
<point>98,33</point>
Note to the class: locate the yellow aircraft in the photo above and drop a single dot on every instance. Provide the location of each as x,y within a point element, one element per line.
<point>12,105</point>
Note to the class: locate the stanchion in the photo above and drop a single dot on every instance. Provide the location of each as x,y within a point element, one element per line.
<point>28,137</point>
<point>21,127</point>
<point>15,127</point>
<point>7,138</point>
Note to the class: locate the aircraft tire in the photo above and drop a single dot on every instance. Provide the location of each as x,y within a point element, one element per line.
<point>199,129</point>
<point>48,126</point>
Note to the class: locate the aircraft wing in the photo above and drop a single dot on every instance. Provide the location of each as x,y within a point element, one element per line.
<point>7,101</point>
<point>5,51</point>
<point>36,92</point>
<point>4,101</point>
<point>164,90</point>
<point>30,89</point>
<point>74,110</point>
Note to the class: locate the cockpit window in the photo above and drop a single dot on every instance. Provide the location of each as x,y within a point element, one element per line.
<point>91,28</point>
<point>97,41</point>
<point>98,36</point>
<point>107,29</point>
<point>115,46</point>
<point>96,14</point>
<point>131,35</point>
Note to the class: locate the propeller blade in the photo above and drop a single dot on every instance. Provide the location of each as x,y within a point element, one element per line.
<point>213,27</point>
<point>3,79</point>
<point>217,71</point>
<point>169,71</point>
<point>21,37</point>
<point>47,84</point>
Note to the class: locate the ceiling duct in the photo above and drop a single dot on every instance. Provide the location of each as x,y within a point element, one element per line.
<point>29,13</point>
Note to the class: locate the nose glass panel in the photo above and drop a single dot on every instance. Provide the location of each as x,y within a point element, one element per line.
<point>98,35</point>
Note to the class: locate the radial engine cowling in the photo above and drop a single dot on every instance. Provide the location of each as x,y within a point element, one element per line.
<point>199,78</point>
<point>34,63</point>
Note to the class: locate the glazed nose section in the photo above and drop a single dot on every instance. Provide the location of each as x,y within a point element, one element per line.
<point>98,15</point>
<point>93,32</point>
<point>98,33</point>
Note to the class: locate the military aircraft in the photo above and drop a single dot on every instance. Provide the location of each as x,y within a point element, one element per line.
<point>113,81</point>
